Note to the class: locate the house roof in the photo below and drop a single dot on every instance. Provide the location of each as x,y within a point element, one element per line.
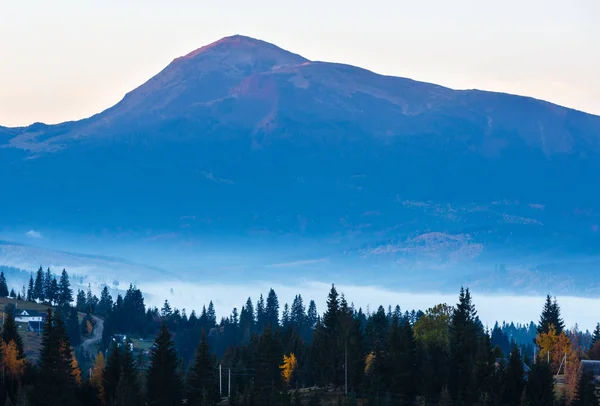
<point>30,313</point>
<point>591,366</point>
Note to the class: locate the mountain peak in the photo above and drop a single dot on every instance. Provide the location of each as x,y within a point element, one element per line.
<point>246,47</point>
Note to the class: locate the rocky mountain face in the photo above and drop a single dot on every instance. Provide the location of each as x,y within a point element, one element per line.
<point>241,137</point>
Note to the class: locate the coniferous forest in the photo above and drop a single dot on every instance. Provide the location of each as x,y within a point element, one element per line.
<point>268,354</point>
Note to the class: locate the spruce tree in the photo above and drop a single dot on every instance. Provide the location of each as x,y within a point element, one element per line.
<point>105,303</point>
<point>53,294</point>
<point>128,388</point>
<point>164,383</point>
<point>30,290</point>
<point>111,374</point>
<point>272,310</point>
<point>261,321</point>
<point>56,384</point>
<point>3,285</point>
<point>550,316</point>
<point>48,286</point>
<point>11,333</point>
<point>326,344</point>
<point>202,386</point>
<point>73,330</point>
<point>463,348</point>
<point>513,379</point>
<point>38,287</point>
<point>596,334</point>
<point>539,389</point>
<point>80,301</point>
<point>65,293</point>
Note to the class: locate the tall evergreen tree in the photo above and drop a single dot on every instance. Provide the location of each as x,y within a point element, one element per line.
<point>56,384</point>
<point>30,290</point>
<point>80,302</point>
<point>73,330</point>
<point>65,293</point>
<point>128,388</point>
<point>48,285</point>
<point>3,285</point>
<point>298,314</point>
<point>539,389</point>
<point>261,319</point>
<point>326,343</point>
<point>164,383</point>
<point>112,374</point>
<point>53,292</point>
<point>11,333</point>
<point>38,287</point>
<point>105,303</point>
<point>272,310</point>
<point>513,379</point>
<point>596,334</point>
<point>550,316</point>
<point>463,347</point>
<point>211,315</point>
<point>202,386</point>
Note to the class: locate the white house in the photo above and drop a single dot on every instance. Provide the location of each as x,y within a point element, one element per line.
<point>26,316</point>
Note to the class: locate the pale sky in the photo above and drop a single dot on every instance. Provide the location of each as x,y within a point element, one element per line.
<point>68,59</point>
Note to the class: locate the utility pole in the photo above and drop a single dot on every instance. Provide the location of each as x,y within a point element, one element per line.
<point>229,385</point>
<point>220,387</point>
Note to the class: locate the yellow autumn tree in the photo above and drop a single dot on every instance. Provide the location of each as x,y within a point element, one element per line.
<point>96,375</point>
<point>288,368</point>
<point>88,327</point>
<point>369,361</point>
<point>76,371</point>
<point>564,360</point>
<point>12,363</point>
<point>553,346</point>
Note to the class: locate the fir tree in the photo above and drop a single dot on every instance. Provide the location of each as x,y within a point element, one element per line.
<point>65,293</point>
<point>211,315</point>
<point>53,292</point>
<point>272,310</point>
<point>73,330</point>
<point>13,294</point>
<point>463,347</point>
<point>550,316</point>
<point>111,374</point>
<point>202,382</point>
<point>30,290</point>
<point>261,321</point>
<point>326,343</point>
<point>11,333</point>
<point>596,334</point>
<point>514,379</point>
<point>128,389</point>
<point>38,287</point>
<point>539,389</point>
<point>164,383</point>
<point>56,384</point>
<point>3,285</point>
<point>80,301</point>
<point>166,310</point>
<point>105,303</point>
<point>48,286</point>
<point>285,317</point>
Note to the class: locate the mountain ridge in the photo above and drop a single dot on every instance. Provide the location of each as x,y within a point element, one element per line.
<point>255,141</point>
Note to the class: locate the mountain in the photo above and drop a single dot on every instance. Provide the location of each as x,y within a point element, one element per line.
<point>242,138</point>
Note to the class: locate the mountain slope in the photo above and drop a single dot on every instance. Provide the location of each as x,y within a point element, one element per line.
<point>241,137</point>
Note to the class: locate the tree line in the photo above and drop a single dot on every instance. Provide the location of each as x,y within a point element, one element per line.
<point>442,356</point>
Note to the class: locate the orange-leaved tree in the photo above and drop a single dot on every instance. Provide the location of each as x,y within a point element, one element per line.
<point>288,368</point>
